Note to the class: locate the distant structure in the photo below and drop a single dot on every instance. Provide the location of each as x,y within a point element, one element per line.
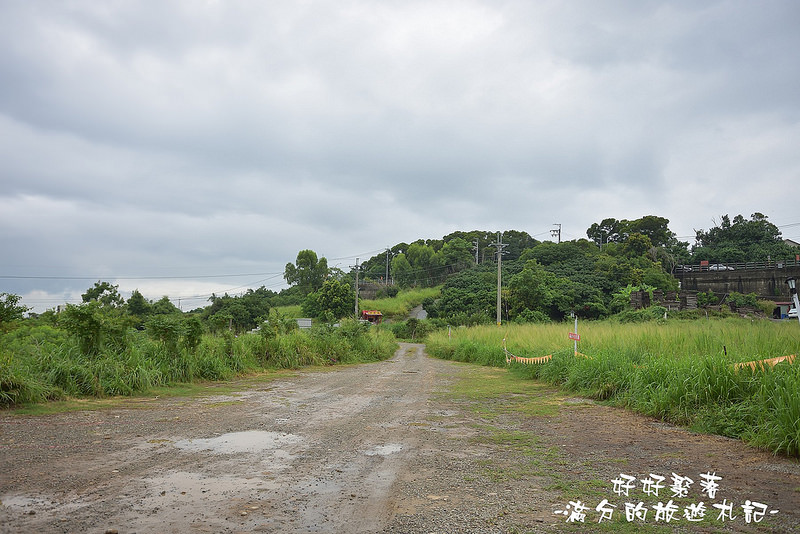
<point>373,316</point>
<point>671,300</point>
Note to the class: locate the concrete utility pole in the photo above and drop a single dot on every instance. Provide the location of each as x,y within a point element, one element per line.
<point>356,313</point>
<point>387,267</point>
<point>500,245</point>
<point>556,232</point>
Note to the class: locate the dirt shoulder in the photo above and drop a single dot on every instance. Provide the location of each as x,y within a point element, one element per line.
<point>410,445</point>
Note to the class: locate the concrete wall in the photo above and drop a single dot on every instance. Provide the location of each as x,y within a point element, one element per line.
<point>766,283</point>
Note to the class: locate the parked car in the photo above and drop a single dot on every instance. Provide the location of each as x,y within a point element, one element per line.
<point>719,267</point>
<point>792,313</point>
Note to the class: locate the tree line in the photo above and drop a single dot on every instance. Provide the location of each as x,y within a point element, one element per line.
<point>541,280</point>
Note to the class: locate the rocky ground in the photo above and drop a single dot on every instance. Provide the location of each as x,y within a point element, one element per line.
<point>409,445</point>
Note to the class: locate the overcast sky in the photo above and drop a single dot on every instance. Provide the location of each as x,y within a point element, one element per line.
<point>158,144</point>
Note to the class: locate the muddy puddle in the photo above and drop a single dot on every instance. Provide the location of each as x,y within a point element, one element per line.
<point>250,441</point>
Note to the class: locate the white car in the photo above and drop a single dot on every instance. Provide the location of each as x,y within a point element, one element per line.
<point>792,313</point>
<point>720,267</point>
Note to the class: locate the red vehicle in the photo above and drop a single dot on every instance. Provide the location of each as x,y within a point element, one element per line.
<point>373,316</point>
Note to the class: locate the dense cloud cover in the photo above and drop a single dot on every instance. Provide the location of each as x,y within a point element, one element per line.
<point>183,139</point>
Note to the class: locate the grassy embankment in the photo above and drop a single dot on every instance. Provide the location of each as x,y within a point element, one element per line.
<point>393,308</point>
<point>44,363</point>
<point>397,308</point>
<point>680,371</point>
<point>293,311</point>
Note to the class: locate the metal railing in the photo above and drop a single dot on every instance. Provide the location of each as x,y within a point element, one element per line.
<point>741,266</point>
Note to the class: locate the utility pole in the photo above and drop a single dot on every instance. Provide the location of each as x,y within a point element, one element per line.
<point>556,232</point>
<point>387,266</point>
<point>476,250</point>
<point>356,312</point>
<point>500,245</point>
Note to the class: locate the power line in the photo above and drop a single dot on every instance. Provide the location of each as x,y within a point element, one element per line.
<point>190,277</point>
<point>362,254</point>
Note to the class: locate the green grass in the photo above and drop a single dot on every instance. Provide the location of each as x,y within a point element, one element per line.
<point>682,372</point>
<point>293,311</point>
<point>142,399</point>
<point>398,308</point>
<point>501,393</point>
<point>42,364</point>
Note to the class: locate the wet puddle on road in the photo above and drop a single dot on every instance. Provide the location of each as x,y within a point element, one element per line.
<point>384,450</point>
<point>187,485</point>
<point>250,441</point>
<point>21,502</point>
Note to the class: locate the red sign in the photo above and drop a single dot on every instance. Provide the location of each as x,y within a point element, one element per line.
<point>574,336</point>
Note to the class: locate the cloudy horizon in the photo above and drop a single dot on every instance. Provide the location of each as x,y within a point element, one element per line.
<point>158,145</point>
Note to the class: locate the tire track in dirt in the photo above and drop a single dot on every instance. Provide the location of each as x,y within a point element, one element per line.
<point>369,448</point>
<point>310,453</point>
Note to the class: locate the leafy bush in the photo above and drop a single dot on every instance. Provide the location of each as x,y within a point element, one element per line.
<point>531,316</point>
<point>652,313</point>
<point>707,298</point>
<point>738,300</point>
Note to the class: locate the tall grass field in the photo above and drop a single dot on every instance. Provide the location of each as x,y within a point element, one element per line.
<point>43,363</point>
<point>682,372</point>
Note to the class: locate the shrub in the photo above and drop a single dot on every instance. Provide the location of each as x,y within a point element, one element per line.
<point>738,300</point>
<point>707,298</point>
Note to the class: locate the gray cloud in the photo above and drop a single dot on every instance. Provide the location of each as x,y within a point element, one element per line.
<point>144,138</point>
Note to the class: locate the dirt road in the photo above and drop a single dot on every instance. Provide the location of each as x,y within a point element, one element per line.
<point>406,445</point>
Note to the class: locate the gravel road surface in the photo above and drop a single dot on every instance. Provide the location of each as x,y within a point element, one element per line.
<point>383,447</point>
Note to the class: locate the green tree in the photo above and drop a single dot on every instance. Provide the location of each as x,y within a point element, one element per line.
<point>469,293</point>
<point>533,288</point>
<point>618,231</point>
<point>637,245</point>
<point>87,323</point>
<point>516,242</point>
<point>606,231</point>
<point>164,306</point>
<point>138,305</point>
<point>105,293</point>
<point>549,253</point>
<point>308,272</point>
<point>167,329</point>
<point>655,228</point>
<point>741,240</point>
<point>192,333</point>
<point>425,263</point>
<point>244,312</point>
<point>138,309</point>
<point>334,299</point>
<point>402,272</point>
<point>11,309</point>
<point>456,255</point>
